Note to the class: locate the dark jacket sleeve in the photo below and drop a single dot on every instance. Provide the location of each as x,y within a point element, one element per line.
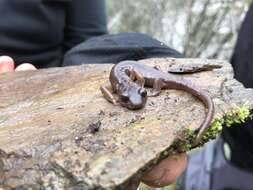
<point>243,52</point>
<point>240,138</point>
<point>84,19</point>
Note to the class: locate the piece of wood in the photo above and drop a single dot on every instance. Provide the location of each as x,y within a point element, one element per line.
<point>58,132</point>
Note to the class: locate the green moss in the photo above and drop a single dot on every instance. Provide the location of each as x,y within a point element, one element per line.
<point>236,116</point>
<point>184,144</point>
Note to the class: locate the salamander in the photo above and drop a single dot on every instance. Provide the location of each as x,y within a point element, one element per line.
<point>128,79</point>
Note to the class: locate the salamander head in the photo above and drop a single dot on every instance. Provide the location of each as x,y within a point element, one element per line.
<point>134,98</point>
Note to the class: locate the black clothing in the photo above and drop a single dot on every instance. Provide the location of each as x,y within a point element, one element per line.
<point>240,138</point>
<point>243,53</point>
<point>118,47</point>
<point>41,31</point>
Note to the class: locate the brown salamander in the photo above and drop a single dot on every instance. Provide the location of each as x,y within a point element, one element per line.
<point>128,79</point>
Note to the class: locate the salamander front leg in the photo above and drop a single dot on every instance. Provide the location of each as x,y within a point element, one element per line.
<point>157,88</point>
<point>107,93</point>
<point>135,76</point>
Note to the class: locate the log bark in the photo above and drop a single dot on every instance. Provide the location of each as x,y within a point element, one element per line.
<point>58,132</point>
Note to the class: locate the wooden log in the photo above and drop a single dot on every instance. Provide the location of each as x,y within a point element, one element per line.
<point>58,132</point>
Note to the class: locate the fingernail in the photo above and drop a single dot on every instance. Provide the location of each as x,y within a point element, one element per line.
<point>6,64</point>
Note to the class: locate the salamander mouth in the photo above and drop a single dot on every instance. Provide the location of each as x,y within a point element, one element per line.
<point>133,106</point>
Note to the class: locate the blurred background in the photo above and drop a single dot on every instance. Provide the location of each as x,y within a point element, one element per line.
<point>197,28</point>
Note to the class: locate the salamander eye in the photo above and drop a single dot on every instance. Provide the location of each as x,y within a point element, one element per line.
<point>124,98</point>
<point>143,92</point>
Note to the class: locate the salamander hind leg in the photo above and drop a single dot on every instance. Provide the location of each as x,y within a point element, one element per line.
<point>107,93</point>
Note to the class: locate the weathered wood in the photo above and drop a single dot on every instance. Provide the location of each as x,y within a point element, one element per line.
<point>58,132</point>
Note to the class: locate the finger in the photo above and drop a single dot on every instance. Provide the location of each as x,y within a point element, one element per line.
<point>25,67</point>
<point>6,64</point>
<point>166,172</point>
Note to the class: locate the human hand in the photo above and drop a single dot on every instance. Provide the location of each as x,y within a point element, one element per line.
<point>7,64</point>
<point>166,172</point>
